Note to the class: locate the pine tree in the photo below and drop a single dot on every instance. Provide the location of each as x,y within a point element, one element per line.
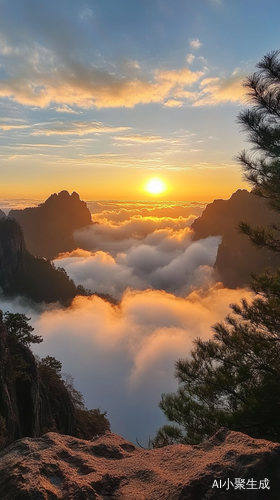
<point>261,165</point>
<point>233,379</point>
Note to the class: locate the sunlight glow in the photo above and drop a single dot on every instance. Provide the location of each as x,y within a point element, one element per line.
<point>155,186</point>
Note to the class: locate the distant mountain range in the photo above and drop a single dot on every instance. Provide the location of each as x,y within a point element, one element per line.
<point>47,230</point>
<point>237,258</point>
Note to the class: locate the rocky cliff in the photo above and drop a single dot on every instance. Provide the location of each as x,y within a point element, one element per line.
<point>229,466</point>
<point>237,258</point>
<point>12,248</point>
<point>34,399</point>
<point>25,404</point>
<point>48,229</point>
<point>23,274</point>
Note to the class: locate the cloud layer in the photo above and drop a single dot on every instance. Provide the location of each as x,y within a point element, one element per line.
<point>122,358</point>
<point>40,76</point>
<point>139,253</point>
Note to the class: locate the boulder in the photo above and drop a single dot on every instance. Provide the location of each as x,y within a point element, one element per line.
<point>230,465</point>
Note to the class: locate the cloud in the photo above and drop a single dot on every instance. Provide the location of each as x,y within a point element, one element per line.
<point>221,89</point>
<point>122,358</point>
<point>38,76</point>
<point>173,103</point>
<point>140,253</point>
<point>74,128</point>
<point>183,76</point>
<point>117,212</point>
<point>190,58</point>
<point>86,14</point>
<point>140,138</point>
<point>66,109</point>
<point>12,127</point>
<point>195,43</point>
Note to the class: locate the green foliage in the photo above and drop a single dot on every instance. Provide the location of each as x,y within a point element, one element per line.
<point>261,166</point>
<point>233,379</point>
<point>65,404</point>
<point>167,435</point>
<point>51,366</point>
<point>19,334</point>
<point>19,329</point>
<point>91,423</point>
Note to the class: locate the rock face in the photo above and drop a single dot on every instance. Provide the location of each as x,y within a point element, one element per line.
<point>48,229</point>
<point>25,402</point>
<point>108,467</point>
<point>12,248</point>
<point>23,274</point>
<point>237,258</point>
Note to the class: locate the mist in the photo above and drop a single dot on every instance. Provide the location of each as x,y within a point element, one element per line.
<point>122,356</point>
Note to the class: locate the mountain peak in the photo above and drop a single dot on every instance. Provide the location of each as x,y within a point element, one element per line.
<point>48,228</point>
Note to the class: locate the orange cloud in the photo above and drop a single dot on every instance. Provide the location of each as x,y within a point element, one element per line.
<point>219,90</point>
<point>173,103</point>
<point>127,353</point>
<point>141,138</point>
<point>11,127</point>
<point>43,80</point>
<point>74,128</point>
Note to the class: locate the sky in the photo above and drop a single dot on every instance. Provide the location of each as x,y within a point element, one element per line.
<point>101,96</point>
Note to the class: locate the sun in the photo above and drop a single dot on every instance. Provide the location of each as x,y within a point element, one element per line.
<point>155,186</point>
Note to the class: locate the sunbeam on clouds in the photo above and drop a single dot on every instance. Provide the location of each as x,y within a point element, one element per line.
<point>139,253</point>
<point>122,356</point>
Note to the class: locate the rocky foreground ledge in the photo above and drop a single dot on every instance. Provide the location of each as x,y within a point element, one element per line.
<point>230,465</point>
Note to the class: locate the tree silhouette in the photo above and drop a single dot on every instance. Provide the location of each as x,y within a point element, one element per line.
<point>261,165</point>
<point>233,379</point>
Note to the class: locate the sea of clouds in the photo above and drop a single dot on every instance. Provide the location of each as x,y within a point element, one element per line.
<point>122,356</point>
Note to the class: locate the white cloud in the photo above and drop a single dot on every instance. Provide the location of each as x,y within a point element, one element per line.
<point>86,14</point>
<point>195,43</point>
<point>190,58</point>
